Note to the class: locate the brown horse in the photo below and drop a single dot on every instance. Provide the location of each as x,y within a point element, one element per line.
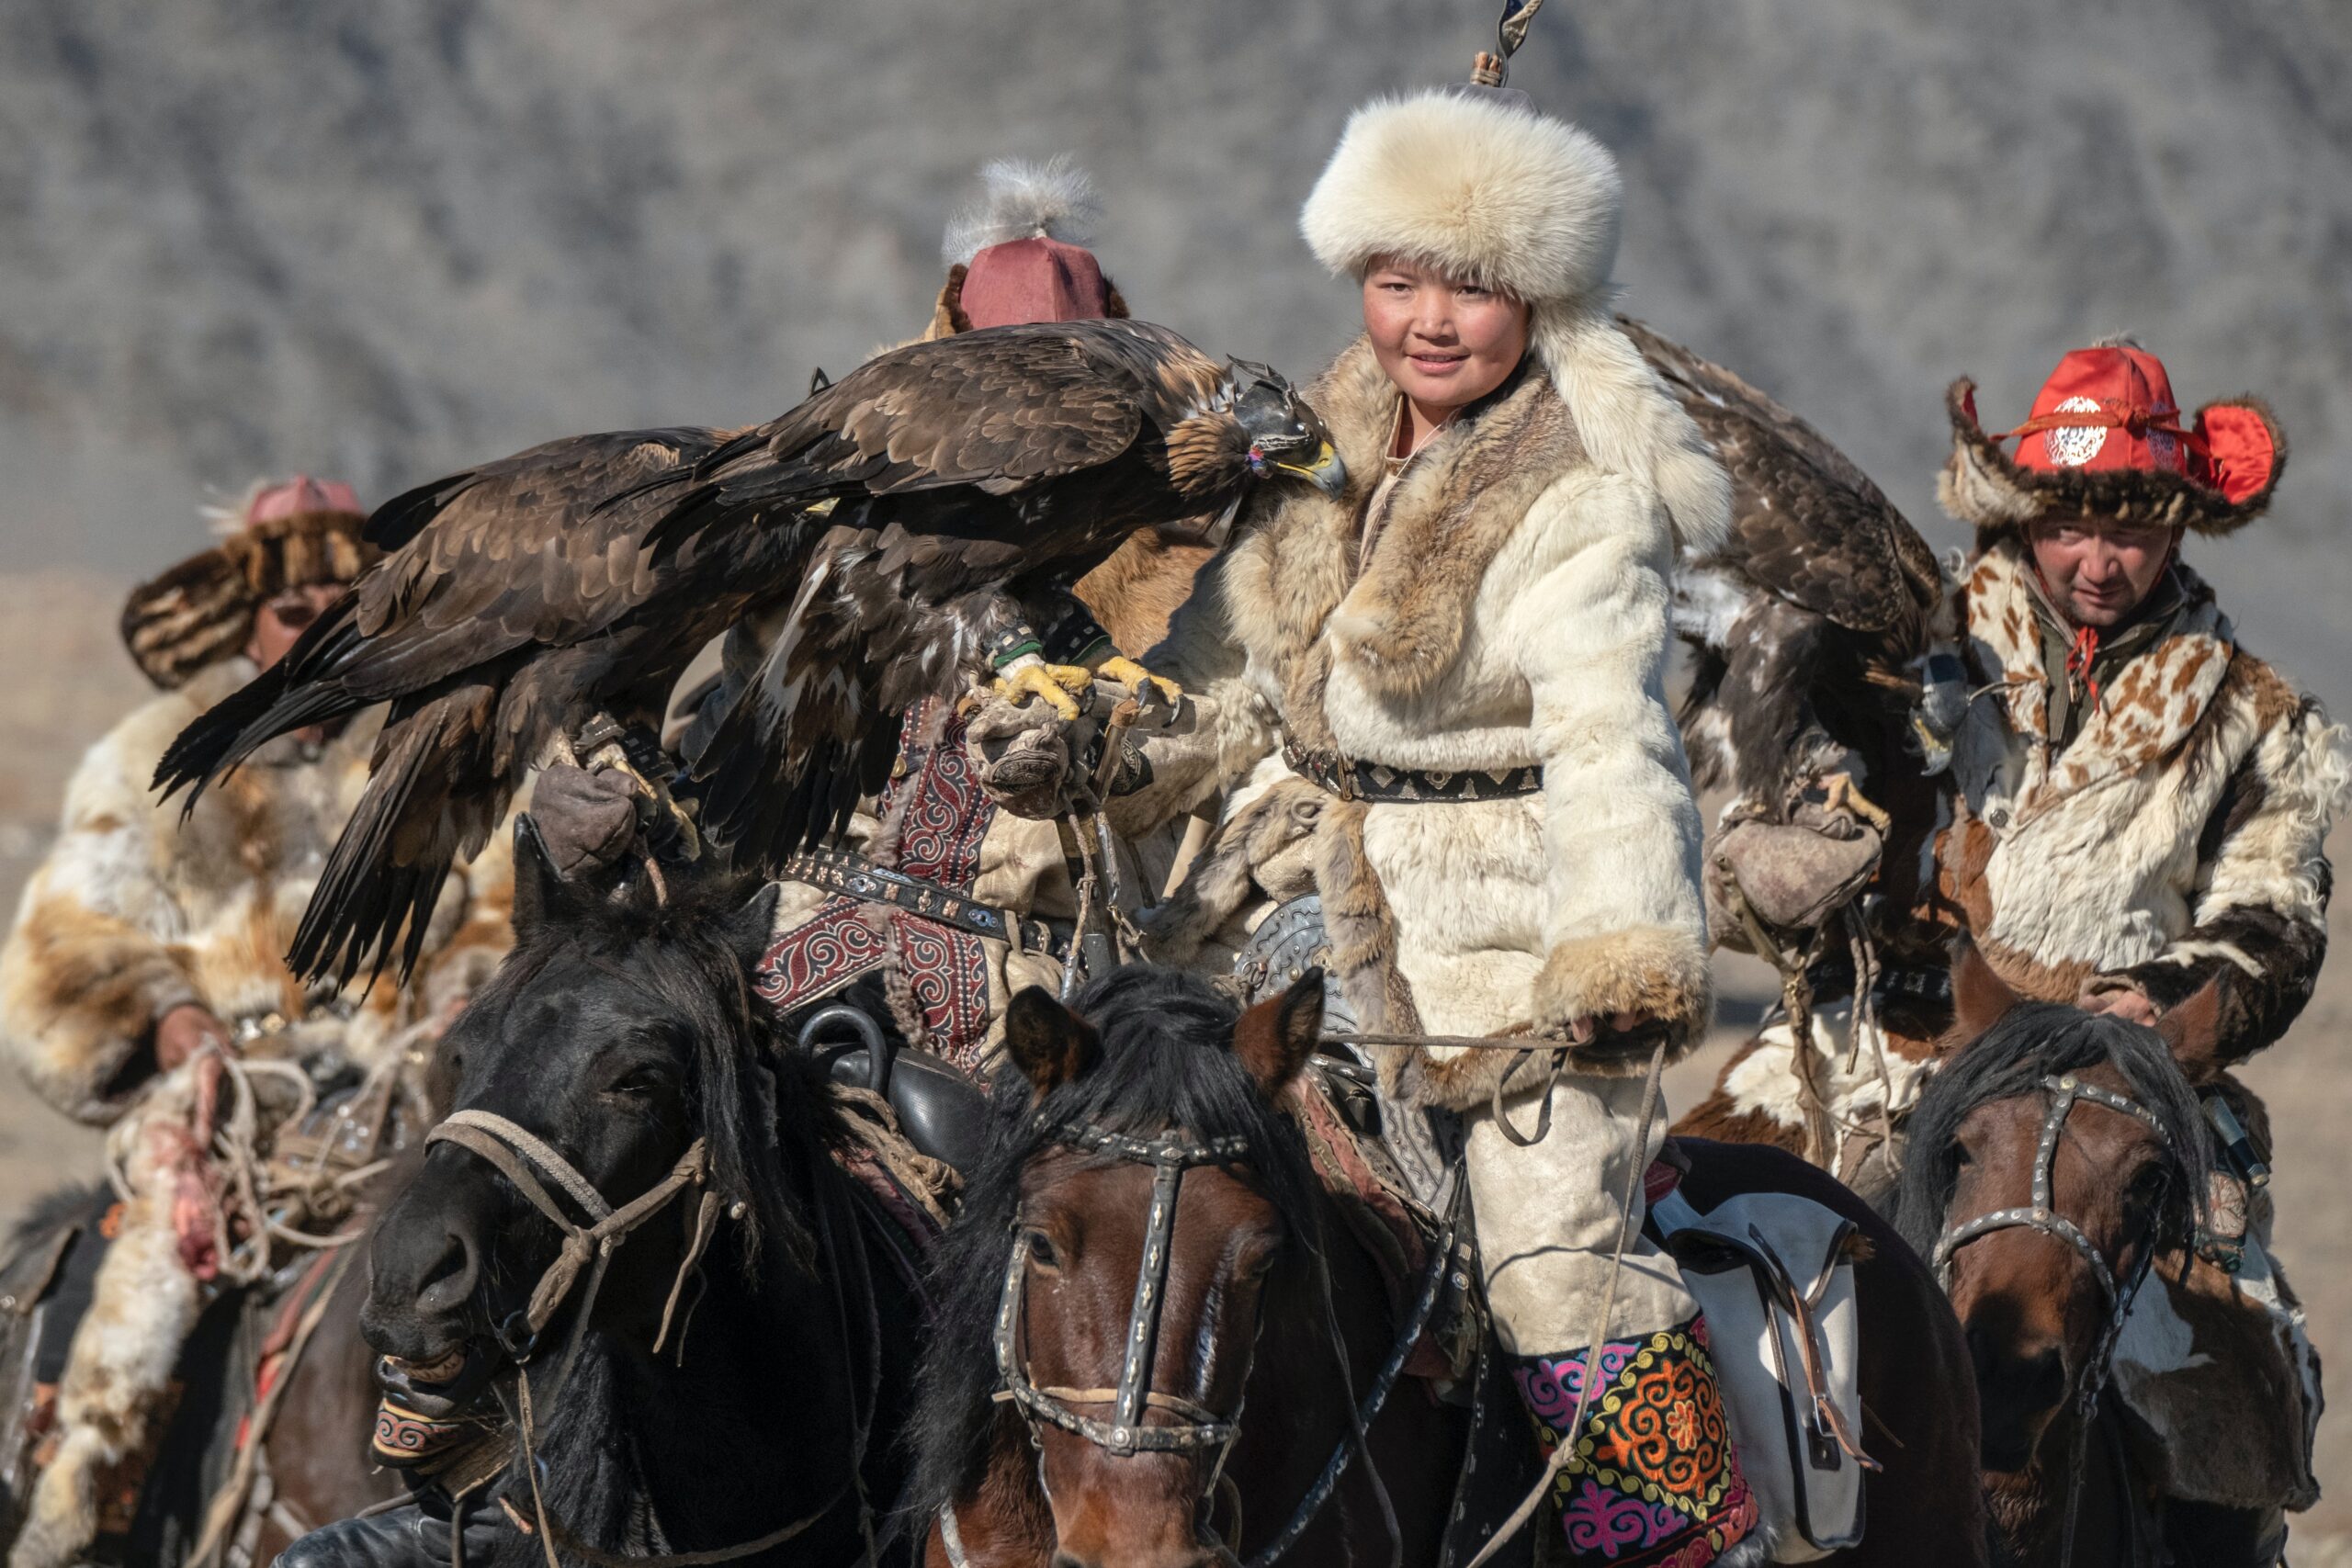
<point>313,1463</point>
<point>1262,1297</point>
<point>2053,1161</point>
<point>1040,1293</point>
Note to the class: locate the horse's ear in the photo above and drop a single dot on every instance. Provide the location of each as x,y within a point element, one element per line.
<point>750,929</point>
<point>1050,1044</point>
<point>2192,1031</point>
<point>1979,995</point>
<point>1275,1038</point>
<point>538,887</point>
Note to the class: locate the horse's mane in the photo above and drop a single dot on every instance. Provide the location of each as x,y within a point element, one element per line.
<point>1166,1063</point>
<point>755,1101</point>
<point>2030,1041</point>
<point>763,1110</point>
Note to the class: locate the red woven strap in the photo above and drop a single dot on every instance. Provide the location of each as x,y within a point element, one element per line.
<point>2112,415</point>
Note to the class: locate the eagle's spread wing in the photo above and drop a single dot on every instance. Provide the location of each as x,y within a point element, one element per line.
<point>998,410</point>
<point>491,572</point>
<point>1807,525</point>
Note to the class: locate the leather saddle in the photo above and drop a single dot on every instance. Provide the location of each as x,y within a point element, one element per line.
<point>943,1111</point>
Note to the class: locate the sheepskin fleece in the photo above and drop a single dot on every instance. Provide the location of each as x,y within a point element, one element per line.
<point>135,911</point>
<point>1475,186</point>
<point>2181,838</point>
<point>1514,611</point>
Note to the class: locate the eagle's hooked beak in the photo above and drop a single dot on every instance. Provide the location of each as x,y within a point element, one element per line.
<point>1326,473</point>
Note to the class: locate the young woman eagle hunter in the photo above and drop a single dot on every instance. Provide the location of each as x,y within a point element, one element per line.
<point>1464,655</point>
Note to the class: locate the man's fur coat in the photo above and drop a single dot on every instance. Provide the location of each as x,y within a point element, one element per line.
<point>134,912</point>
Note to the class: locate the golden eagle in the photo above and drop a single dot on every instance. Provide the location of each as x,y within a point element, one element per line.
<point>1812,624</point>
<point>883,537</point>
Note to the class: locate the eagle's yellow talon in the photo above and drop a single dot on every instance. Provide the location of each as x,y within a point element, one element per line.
<point>1050,681</point>
<point>1845,795</point>
<point>1127,673</point>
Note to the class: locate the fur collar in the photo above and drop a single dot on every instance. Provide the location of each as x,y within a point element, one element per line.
<point>1587,398</point>
<point>2145,717</point>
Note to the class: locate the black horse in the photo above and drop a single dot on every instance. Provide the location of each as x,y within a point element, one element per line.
<point>622,1036</point>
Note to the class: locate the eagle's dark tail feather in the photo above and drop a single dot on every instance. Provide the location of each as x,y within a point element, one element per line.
<point>282,698</point>
<point>385,874</point>
<point>782,766</point>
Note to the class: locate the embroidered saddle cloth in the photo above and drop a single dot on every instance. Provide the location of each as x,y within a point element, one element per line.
<point>1774,1274</point>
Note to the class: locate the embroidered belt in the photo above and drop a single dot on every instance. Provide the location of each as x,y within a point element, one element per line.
<point>847,872</point>
<point>1377,781</point>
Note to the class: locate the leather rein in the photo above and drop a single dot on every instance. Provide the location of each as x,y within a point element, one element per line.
<point>2065,1092</point>
<point>1195,1428</point>
<point>514,1150</point>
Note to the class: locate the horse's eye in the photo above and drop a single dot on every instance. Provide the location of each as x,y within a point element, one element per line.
<point>1041,1249</point>
<point>1960,1158</point>
<point>641,1080</point>
<point>2148,1182</point>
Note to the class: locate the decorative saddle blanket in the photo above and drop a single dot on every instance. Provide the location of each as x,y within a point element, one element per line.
<point>942,816</point>
<point>1773,1272</point>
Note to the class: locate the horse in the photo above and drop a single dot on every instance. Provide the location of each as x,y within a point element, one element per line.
<point>2053,1160</point>
<point>310,1414</point>
<point>720,1367</point>
<point>1147,1123</point>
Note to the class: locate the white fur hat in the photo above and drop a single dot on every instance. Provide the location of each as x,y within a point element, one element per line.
<point>1476,183</point>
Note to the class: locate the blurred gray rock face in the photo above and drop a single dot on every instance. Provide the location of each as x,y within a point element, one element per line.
<point>381,240</point>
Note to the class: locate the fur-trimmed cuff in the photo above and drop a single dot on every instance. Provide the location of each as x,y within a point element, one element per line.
<point>1655,970</point>
<point>1658,971</point>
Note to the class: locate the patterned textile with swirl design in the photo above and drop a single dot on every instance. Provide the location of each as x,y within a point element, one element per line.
<point>1654,1481</point>
<point>942,816</point>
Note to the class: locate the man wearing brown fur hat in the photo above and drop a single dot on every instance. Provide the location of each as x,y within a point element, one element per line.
<point>2140,809</point>
<point>147,947</point>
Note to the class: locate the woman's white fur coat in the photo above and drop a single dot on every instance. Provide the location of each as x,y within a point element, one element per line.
<point>1513,611</point>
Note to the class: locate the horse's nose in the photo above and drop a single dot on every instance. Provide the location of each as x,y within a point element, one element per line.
<point>2019,1388</point>
<point>450,1280</point>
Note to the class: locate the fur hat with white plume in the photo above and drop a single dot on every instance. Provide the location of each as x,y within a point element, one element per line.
<point>1019,252</point>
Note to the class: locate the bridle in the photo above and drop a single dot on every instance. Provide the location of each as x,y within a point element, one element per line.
<point>1169,1155</point>
<point>1197,1428</point>
<point>515,1151</point>
<point>2065,1092</point>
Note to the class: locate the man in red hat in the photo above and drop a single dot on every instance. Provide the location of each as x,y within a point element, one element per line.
<point>147,947</point>
<point>2140,808</point>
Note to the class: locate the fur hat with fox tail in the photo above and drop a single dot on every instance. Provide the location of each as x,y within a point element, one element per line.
<point>1480,185</point>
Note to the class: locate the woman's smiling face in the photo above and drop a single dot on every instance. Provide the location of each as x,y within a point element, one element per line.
<point>1442,341</point>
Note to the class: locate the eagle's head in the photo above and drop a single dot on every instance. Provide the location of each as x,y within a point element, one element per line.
<point>1285,435</point>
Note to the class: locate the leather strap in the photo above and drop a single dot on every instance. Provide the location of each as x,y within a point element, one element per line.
<point>853,875</point>
<point>1352,780</point>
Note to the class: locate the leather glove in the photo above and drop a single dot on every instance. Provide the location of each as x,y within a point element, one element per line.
<point>1032,762</point>
<point>587,820</point>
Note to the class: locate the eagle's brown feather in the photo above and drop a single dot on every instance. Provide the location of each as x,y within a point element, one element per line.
<point>883,530</point>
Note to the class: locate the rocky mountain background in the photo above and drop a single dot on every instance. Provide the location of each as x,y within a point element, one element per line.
<point>376,243</point>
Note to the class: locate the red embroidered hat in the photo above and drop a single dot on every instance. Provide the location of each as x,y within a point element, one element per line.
<point>1019,253</point>
<point>1036,279</point>
<point>2106,439</point>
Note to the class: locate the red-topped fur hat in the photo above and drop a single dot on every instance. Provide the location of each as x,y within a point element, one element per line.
<point>288,534</point>
<point>1019,253</point>
<point>2105,439</point>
